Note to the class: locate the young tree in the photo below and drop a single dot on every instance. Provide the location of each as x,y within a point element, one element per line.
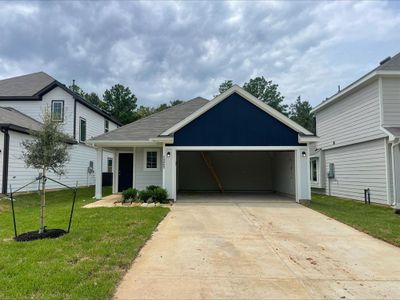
<point>120,103</point>
<point>300,112</point>
<point>46,151</point>
<point>266,91</point>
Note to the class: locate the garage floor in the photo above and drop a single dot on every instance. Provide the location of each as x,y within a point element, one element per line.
<point>260,250</point>
<point>230,197</point>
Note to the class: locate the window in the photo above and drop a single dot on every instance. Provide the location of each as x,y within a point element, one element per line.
<point>57,110</point>
<point>109,165</point>
<point>151,159</point>
<point>106,126</point>
<point>82,129</point>
<point>314,170</point>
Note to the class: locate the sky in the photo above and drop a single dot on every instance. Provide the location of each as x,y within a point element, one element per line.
<point>180,50</point>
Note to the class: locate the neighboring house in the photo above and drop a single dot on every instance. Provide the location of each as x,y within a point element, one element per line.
<point>233,143</point>
<point>359,130</point>
<point>23,100</point>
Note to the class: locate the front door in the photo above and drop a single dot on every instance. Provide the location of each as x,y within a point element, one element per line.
<point>125,174</point>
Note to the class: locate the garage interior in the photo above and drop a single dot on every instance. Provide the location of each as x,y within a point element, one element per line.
<point>223,172</point>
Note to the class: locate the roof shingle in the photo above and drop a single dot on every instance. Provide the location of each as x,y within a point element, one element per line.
<point>153,125</point>
<point>25,85</point>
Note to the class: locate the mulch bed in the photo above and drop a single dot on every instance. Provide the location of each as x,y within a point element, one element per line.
<point>35,235</point>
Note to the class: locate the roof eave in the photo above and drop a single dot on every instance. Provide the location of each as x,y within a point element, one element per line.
<point>246,95</point>
<point>352,86</point>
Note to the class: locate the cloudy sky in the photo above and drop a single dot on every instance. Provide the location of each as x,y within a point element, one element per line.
<point>178,50</point>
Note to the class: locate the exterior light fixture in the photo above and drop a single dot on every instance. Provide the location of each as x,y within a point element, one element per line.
<point>304,153</point>
<point>168,154</point>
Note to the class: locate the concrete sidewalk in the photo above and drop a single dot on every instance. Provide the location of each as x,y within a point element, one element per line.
<point>255,250</point>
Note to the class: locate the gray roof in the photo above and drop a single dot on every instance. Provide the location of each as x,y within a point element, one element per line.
<point>393,64</point>
<point>393,130</point>
<point>12,117</point>
<point>25,86</point>
<point>155,124</point>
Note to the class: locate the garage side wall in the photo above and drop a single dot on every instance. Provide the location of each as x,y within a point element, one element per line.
<point>284,176</point>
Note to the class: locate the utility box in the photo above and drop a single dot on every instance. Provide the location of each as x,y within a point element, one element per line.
<point>331,171</point>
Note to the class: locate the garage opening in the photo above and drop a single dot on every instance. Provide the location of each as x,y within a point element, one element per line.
<point>236,171</point>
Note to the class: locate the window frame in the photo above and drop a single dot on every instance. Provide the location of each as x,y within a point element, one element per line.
<point>106,128</point>
<point>145,151</point>
<point>62,110</point>
<point>109,166</point>
<point>80,129</point>
<point>317,169</point>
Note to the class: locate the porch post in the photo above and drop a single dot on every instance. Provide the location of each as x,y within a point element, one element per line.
<point>99,167</point>
<point>303,188</point>
<point>396,176</point>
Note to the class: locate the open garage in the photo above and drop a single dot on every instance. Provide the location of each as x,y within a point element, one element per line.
<point>236,171</point>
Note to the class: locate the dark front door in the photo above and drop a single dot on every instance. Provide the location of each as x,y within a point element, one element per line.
<point>125,167</point>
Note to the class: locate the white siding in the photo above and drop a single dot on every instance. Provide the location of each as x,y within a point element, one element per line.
<point>353,119</point>
<point>284,173</point>
<point>358,167</point>
<point>94,121</point>
<point>35,109</point>
<point>391,101</point>
<point>144,177</point>
<point>76,169</point>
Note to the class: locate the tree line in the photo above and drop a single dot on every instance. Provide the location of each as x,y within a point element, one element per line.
<point>121,103</point>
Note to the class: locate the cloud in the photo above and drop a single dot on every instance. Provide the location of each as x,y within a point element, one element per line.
<point>179,50</point>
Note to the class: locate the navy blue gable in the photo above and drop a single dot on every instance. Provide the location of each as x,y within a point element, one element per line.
<point>235,122</point>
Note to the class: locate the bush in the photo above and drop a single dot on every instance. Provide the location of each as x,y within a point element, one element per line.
<point>160,194</point>
<point>145,195</point>
<point>155,192</point>
<point>129,194</point>
<point>152,187</point>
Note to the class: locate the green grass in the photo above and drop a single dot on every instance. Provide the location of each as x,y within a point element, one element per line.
<point>377,220</point>
<point>87,263</point>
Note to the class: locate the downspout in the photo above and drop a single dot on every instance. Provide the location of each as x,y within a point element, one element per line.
<point>395,203</point>
<point>6,151</point>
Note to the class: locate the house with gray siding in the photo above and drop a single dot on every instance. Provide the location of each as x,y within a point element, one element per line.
<point>23,100</point>
<point>359,135</point>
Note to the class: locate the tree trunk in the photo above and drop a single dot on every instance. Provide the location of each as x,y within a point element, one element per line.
<point>42,201</point>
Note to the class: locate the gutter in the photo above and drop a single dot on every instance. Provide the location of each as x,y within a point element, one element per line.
<point>6,154</point>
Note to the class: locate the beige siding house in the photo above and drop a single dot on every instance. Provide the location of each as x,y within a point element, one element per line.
<point>359,131</point>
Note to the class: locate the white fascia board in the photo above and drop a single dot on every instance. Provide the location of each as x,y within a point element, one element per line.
<point>249,97</point>
<point>308,139</point>
<point>353,86</point>
<point>168,140</point>
<point>127,143</point>
<point>237,148</point>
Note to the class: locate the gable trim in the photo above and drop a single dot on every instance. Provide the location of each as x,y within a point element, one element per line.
<point>249,97</point>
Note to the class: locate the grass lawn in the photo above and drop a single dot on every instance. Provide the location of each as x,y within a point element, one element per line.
<point>87,263</point>
<point>377,220</point>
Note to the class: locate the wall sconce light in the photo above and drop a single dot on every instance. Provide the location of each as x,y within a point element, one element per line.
<point>168,154</point>
<point>304,154</point>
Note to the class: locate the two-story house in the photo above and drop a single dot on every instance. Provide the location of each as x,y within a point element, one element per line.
<point>359,135</point>
<point>23,100</point>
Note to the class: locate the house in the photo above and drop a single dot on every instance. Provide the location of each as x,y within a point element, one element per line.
<point>23,100</point>
<point>359,130</point>
<point>234,142</point>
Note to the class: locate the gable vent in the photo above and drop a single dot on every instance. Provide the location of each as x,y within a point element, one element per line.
<point>385,60</point>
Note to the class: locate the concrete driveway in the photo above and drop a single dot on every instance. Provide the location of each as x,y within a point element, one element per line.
<point>260,250</point>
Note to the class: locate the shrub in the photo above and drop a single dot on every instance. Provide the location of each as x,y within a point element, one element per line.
<point>145,195</point>
<point>129,194</point>
<point>160,194</point>
<point>152,187</point>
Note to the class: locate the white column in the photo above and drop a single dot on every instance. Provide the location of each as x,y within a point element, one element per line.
<point>115,173</point>
<point>169,181</point>
<point>303,187</point>
<point>99,166</point>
